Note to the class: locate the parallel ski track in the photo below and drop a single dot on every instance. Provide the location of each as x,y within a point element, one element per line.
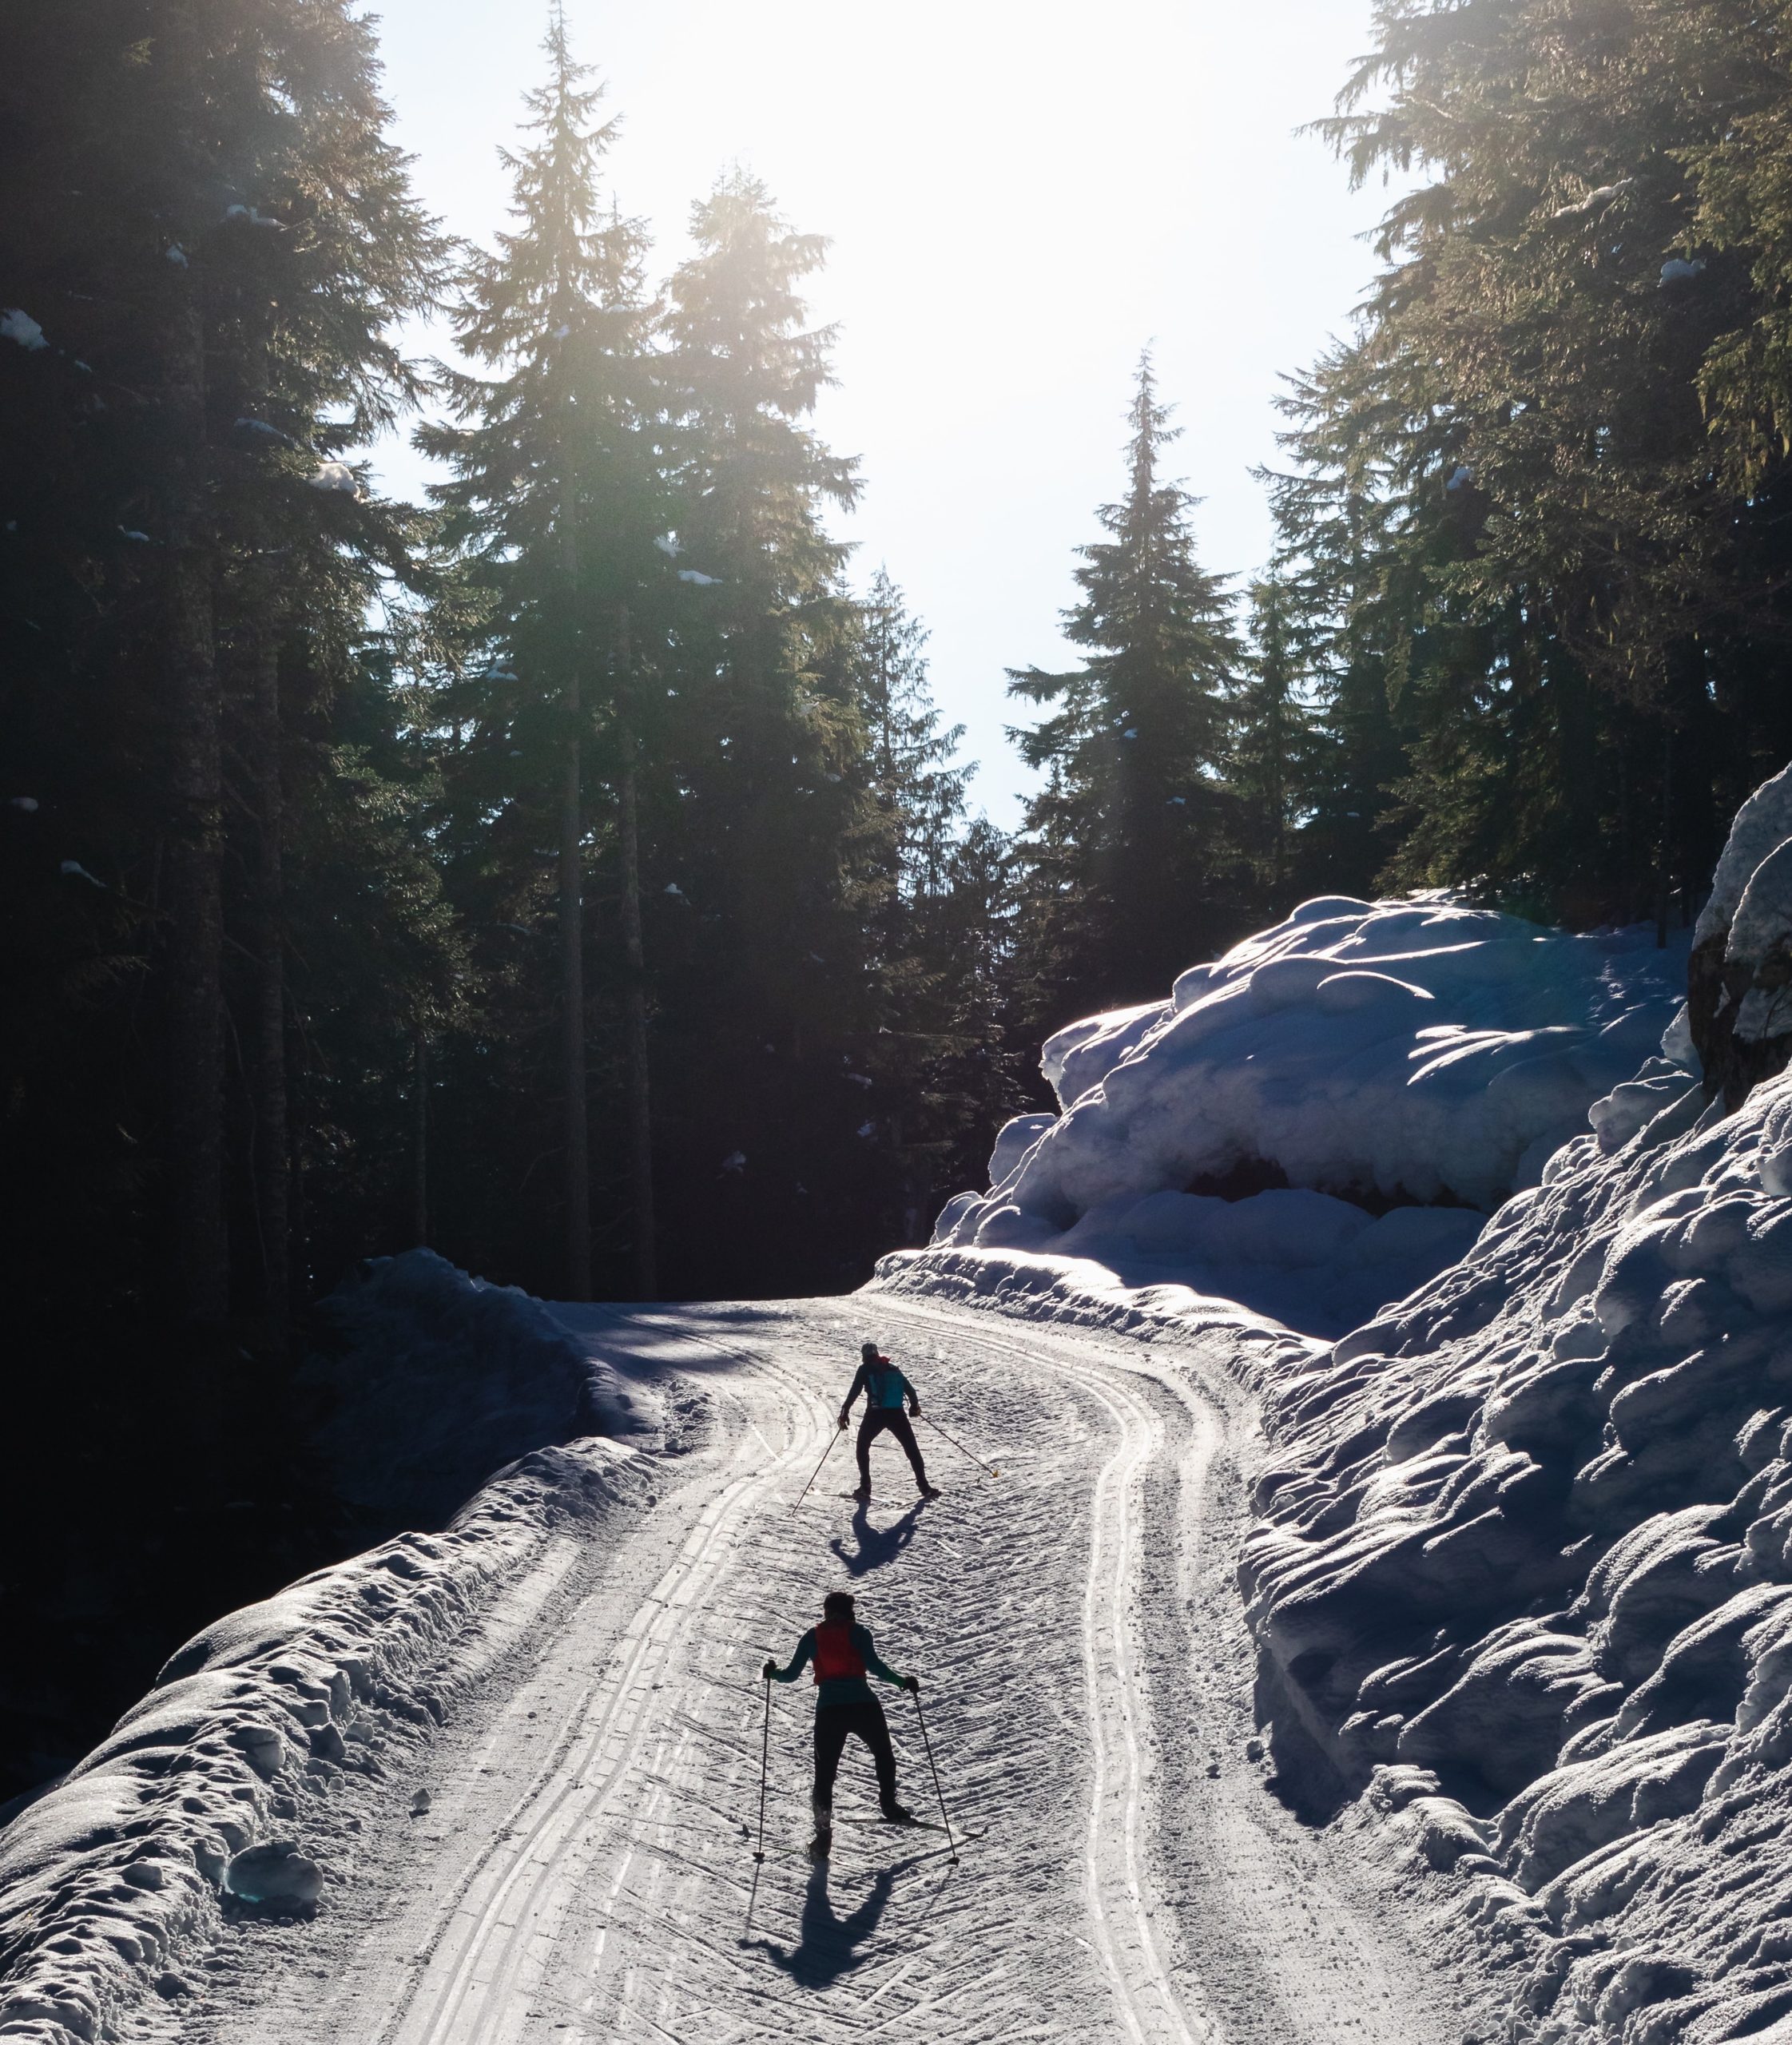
<point>1121,1908</point>
<point>611,1894</point>
<point>885,1942</point>
<point>495,1940</point>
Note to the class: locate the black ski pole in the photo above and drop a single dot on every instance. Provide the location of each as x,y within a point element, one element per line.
<point>963,1450</point>
<point>816,1471</point>
<point>938,1792</point>
<point>764,1760</point>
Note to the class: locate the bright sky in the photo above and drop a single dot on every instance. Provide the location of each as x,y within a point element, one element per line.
<point>1020,197</point>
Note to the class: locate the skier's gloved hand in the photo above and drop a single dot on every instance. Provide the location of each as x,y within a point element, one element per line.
<point>914,1411</point>
<point>843,1423</point>
<point>769,1670</point>
<point>912,1684</point>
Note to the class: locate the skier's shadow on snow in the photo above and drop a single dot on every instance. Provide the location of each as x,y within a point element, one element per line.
<point>827,1945</point>
<point>877,1545</point>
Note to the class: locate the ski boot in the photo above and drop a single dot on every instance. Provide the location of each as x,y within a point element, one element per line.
<point>822,1844</point>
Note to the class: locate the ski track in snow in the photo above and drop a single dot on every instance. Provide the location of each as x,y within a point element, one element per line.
<point>584,1872</point>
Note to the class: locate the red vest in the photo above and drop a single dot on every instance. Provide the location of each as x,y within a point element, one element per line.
<point>835,1655</point>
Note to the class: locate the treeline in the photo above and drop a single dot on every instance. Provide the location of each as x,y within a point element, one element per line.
<point>1526,630</point>
<point>573,872</point>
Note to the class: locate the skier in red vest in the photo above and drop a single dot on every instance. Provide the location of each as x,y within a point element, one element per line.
<point>884,1387</point>
<point>843,1654</point>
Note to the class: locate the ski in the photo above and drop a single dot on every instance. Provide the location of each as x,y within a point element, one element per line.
<point>916,1825</point>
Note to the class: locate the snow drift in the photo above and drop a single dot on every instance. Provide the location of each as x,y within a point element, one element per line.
<point>206,1794</point>
<point>206,1789</point>
<point>1524,1566</point>
<point>1521,1576</point>
<point>435,1380</point>
<point>1372,1078</point>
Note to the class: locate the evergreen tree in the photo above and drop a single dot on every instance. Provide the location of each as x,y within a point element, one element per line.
<point>558,492</point>
<point>943,1076</point>
<point>1274,756</point>
<point>1564,390</point>
<point>769,1002</point>
<point>1133,844</point>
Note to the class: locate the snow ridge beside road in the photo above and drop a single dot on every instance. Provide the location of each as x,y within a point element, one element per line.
<point>109,1880</point>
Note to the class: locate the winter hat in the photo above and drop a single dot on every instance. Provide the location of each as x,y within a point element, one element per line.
<point>838,1606</point>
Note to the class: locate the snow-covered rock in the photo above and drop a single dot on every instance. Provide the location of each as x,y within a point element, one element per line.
<point>1739,978</point>
<point>1316,1123</point>
<point>1530,1532</point>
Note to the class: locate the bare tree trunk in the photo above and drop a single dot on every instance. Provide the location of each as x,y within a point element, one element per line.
<point>575,1137</point>
<point>273,1143</point>
<point>1665,856</point>
<point>192,958</point>
<point>420,1157</point>
<point>634,1019</point>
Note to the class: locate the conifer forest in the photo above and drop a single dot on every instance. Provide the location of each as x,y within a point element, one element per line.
<point>572,870</point>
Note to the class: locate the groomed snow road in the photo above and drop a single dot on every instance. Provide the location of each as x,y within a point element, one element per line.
<point>1127,1873</point>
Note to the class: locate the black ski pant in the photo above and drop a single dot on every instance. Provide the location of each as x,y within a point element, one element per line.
<point>833,1722</point>
<point>876,1420</point>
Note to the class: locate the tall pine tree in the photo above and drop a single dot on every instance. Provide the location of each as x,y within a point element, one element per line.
<point>1133,846</point>
<point>558,491</point>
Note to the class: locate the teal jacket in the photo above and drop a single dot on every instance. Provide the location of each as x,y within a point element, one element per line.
<point>884,1387</point>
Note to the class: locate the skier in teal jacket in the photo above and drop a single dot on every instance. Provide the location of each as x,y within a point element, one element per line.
<point>884,1387</point>
<point>844,1656</point>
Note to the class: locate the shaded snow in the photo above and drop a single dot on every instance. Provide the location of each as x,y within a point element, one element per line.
<point>436,1379</point>
<point>207,1787</point>
<point>215,1780</point>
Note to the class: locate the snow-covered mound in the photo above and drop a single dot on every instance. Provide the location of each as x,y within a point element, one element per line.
<point>211,1793</point>
<point>1524,1566</point>
<point>437,1380</point>
<point>1387,1072</point>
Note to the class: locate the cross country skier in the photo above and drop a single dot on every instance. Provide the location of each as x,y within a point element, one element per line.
<point>884,1387</point>
<point>842,1652</point>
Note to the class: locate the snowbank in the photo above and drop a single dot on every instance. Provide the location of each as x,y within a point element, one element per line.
<point>438,1379</point>
<point>1526,1567</point>
<point>1386,1073</point>
<point>1077,1293</point>
<point>205,1789</point>
<point>202,1798</point>
<point>1523,1567</point>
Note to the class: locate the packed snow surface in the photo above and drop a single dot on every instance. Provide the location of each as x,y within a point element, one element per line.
<point>503,1784</point>
<point>1387,1072</point>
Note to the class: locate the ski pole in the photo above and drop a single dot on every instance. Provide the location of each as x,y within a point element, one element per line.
<point>938,1792</point>
<point>960,1447</point>
<point>764,1760</point>
<point>816,1471</point>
